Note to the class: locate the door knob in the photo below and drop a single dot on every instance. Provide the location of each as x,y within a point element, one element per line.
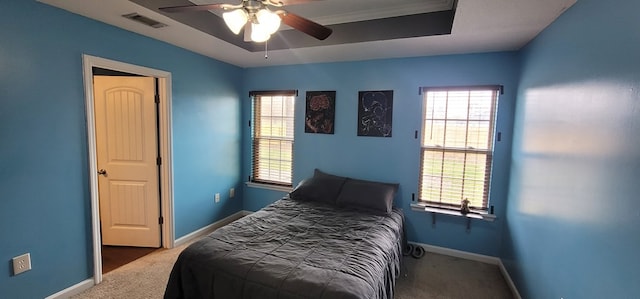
<point>102,172</point>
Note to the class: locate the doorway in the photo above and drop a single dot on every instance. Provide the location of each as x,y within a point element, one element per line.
<point>164,184</point>
<point>127,149</point>
<point>114,257</point>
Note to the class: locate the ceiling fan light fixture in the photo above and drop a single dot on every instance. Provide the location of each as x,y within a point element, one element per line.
<point>235,19</point>
<point>259,33</point>
<point>269,20</point>
<point>252,14</point>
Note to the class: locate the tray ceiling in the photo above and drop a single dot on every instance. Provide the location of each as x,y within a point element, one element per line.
<point>362,29</point>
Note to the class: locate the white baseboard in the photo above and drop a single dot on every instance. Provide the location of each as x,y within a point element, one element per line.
<point>507,277</point>
<point>84,285</point>
<point>73,290</point>
<point>209,228</point>
<point>474,257</point>
<point>460,254</point>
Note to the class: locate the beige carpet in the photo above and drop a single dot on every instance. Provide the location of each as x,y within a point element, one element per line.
<point>145,277</point>
<point>433,276</point>
<point>445,277</point>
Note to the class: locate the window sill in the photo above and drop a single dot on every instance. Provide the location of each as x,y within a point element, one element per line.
<point>269,186</point>
<point>438,210</point>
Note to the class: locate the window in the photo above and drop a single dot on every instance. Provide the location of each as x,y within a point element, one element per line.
<point>457,145</point>
<point>272,137</point>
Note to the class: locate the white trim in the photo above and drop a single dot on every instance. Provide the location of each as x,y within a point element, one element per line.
<point>87,284</point>
<point>373,12</point>
<point>166,172</point>
<point>73,290</point>
<point>269,186</point>
<point>166,169</point>
<point>447,211</point>
<point>510,283</point>
<point>209,228</point>
<point>460,254</point>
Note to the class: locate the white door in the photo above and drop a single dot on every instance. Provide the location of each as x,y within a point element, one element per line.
<point>126,140</point>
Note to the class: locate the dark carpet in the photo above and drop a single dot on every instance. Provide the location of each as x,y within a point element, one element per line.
<point>115,256</point>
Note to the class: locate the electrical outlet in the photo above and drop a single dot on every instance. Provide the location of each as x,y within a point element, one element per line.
<point>21,263</point>
<point>232,192</point>
<point>217,197</point>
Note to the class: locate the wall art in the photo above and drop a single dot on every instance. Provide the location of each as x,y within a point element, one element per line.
<point>320,113</point>
<point>375,111</point>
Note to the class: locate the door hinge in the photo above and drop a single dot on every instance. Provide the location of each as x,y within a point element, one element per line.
<point>157,98</point>
<point>161,220</point>
<point>158,161</point>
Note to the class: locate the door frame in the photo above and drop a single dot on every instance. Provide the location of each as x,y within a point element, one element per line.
<point>166,171</point>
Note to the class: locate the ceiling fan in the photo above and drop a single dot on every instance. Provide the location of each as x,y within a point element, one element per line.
<point>258,20</point>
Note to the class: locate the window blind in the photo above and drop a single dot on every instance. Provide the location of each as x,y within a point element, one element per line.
<point>272,137</point>
<point>457,145</point>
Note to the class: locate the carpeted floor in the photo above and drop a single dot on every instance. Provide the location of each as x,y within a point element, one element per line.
<point>433,276</point>
<point>143,278</point>
<point>445,277</point>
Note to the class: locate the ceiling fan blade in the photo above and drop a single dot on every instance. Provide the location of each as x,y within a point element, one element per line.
<point>305,25</point>
<point>187,8</point>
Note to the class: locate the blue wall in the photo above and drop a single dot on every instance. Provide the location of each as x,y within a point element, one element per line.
<point>573,218</point>
<point>45,201</point>
<point>568,229</point>
<point>394,159</point>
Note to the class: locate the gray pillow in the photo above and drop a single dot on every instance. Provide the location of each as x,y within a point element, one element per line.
<point>322,187</point>
<point>376,197</point>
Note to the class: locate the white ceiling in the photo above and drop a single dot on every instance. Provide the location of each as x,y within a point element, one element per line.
<point>479,26</point>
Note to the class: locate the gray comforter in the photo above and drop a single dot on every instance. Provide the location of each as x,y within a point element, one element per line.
<point>294,249</point>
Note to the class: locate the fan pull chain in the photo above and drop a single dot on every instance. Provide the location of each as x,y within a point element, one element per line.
<point>266,49</point>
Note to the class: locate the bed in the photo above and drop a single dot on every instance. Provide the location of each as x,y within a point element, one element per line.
<point>332,237</point>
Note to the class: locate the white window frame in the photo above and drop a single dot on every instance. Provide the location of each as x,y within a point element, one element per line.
<point>269,179</point>
<point>438,203</point>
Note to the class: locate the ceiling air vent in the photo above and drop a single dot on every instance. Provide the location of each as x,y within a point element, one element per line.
<point>144,20</point>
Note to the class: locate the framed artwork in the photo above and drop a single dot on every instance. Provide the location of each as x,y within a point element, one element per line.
<point>320,113</point>
<point>375,110</point>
